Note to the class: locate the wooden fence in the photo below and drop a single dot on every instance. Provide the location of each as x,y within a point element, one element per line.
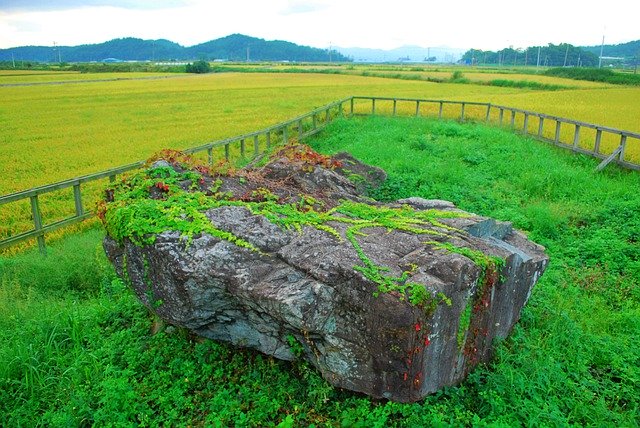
<point>608,144</point>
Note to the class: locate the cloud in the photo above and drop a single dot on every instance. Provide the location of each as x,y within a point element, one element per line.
<point>48,6</point>
<point>294,7</point>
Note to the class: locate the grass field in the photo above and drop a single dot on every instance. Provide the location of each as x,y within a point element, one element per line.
<point>487,77</point>
<point>80,350</point>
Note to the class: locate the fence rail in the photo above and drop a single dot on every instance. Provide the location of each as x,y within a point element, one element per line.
<point>515,114</point>
<point>310,123</point>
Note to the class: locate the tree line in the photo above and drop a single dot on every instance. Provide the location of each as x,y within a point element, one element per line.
<point>562,55</point>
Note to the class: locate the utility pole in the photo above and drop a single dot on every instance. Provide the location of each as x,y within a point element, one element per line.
<point>330,49</point>
<point>601,49</point>
<point>248,53</point>
<point>56,48</point>
<point>13,60</point>
<point>538,63</point>
<point>566,53</point>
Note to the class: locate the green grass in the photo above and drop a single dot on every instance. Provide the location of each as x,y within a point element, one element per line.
<point>595,75</point>
<point>78,347</point>
<point>526,84</point>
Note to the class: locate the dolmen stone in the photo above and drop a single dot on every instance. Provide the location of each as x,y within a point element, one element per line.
<point>393,300</point>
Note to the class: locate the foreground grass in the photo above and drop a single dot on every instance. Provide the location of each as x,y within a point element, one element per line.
<point>81,350</point>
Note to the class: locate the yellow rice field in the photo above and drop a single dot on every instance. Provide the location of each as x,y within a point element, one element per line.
<point>53,132</point>
<point>477,76</point>
<point>9,77</point>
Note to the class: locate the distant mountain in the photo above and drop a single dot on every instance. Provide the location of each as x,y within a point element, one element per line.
<point>236,47</point>
<point>403,54</point>
<point>624,50</point>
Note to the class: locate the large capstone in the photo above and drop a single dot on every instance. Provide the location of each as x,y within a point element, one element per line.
<point>392,300</point>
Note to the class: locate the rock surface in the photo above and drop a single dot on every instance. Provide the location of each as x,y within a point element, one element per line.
<point>388,311</point>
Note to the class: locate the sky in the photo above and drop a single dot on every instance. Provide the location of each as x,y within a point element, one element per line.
<point>480,24</point>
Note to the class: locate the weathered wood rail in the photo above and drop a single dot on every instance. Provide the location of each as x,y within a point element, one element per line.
<point>314,121</point>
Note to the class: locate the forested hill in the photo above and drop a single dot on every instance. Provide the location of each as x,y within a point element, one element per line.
<point>623,50</point>
<point>236,47</point>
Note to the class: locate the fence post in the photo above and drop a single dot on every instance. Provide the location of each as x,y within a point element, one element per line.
<point>525,125</point>
<point>256,145</point>
<point>315,121</point>
<point>488,116</point>
<point>326,116</point>
<point>242,147</point>
<point>462,112</point>
<point>440,111</point>
<point>285,137</point>
<point>417,108</point>
<point>513,119</point>
<point>395,102</point>
<point>77,197</point>
<point>351,110</point>
<point>37,222</point>
<point>557,138</point>
<point>596,147</point>
<point>210,156</point>
<point>268,139</point>
<point>576,137</point>
<point>540,125</point>
<point>226,152</point>
<point>501,116</point>
<point>373,106</point>
<point>340,113</point>
<point>299,130</point>
<point>623,144</point>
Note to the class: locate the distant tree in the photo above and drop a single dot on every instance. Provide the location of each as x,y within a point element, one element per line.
<point>627,50</point>
<point>199,67</point>
<point>551,56</point>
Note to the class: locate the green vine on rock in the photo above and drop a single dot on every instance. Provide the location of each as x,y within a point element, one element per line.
<point>164,198</point>
<point>490,274</point>
<point>489,265</point>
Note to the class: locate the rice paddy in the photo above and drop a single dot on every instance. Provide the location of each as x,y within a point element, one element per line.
<point>52,132</point>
